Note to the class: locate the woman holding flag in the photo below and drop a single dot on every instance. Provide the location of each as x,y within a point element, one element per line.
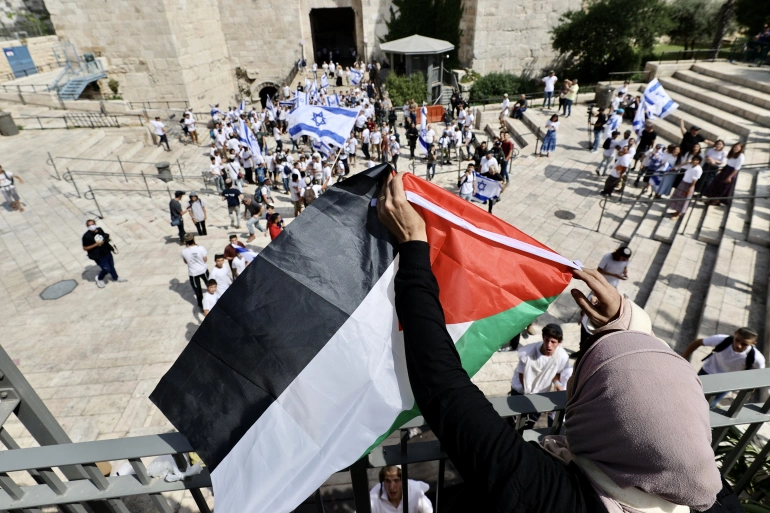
<point>651,455</point>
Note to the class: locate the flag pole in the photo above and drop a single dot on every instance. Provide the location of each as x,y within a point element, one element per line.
<point>334,166</point>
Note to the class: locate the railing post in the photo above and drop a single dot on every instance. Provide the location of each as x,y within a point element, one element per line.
<point>21,98</point>
<point>121,168</point>
<point>93,197</point>
<point>52,162</point>
<point>360,482</point>
<point>145,184</point>
<point>72,180</point>
<point>603,203</point>
<point>405,471</point>
<point>181,176</point>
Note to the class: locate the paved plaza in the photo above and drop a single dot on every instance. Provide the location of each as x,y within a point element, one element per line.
<point>94,355</point>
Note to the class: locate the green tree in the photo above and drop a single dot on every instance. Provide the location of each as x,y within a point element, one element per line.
<point>439,19</point>
<point>694,21</point>
<point>609,35</point>
<point>402,89</point>
<point>724,21</point>
<point>752,14</point>
<point>494,85</point>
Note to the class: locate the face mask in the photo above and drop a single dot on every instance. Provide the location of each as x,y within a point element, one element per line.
<point>92,228</point>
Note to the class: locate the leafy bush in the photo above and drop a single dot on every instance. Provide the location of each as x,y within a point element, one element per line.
<point>494,85</point>
<point>402,89</point>
<point>114,85</point>
<point>471,76</point>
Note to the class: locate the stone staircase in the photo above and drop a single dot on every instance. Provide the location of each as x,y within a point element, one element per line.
<point>715,274</point>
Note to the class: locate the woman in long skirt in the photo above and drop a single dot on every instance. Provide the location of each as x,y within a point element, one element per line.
<point>684,191</point>
<point>549,141</point>
<point>723,185</point>
<point>714,160</point>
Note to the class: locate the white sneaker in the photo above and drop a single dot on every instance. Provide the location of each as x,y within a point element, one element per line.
<point>122,280</point>
<point>99,283</point>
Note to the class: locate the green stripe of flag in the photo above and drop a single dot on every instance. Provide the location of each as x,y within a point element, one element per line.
<point>479,342</point>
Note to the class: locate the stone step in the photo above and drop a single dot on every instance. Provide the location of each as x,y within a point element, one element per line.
<point>713,222</point>
<point>744,94</point>
<point>632,221</point>
<point>650,222</point>
<point>759,225</point>
<point>712,71</point>
<point>727,123</point>
<point>521,134</point>
<point>667,228</point>
<point>679,292</point>
<point>737,294</point>
<point>715,99</point>
<point>733,220</point>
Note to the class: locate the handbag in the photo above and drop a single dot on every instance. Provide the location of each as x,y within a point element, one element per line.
<point>176,220</point>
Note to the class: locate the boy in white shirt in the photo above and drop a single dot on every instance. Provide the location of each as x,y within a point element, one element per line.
<point>221,274</point>
<point>210,297</point>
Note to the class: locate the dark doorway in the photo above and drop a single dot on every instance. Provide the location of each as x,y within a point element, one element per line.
<point>265,92</point>
<point>334,35</point>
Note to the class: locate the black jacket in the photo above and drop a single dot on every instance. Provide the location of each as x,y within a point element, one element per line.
<point>502,472</point>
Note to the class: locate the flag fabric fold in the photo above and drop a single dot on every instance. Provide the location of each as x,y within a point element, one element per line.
<point>356,76</point>
<point>421,142</point>
<point>638,124</point>
<point>657,101</point>
<point>331,125</point>
<point>299,369</point>
<point>270,107</point>
<point>324,81</point>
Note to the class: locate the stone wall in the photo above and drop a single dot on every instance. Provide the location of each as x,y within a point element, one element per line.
<point>514,36</point>
<point>40,49</point>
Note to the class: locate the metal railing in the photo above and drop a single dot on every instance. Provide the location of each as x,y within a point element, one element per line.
<point>702,54</point>
<point>158,104</point>
<point>747,50</point>
<point>7,77</point>
<point>85,483</point>
<point>71,120</point>
<point>51,161</point>
<point>631,76</point>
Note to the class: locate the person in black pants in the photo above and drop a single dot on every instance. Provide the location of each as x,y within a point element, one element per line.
<point>501,472</point>
<point>176,211</point>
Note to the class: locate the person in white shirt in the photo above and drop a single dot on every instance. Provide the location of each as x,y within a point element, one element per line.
<point>540,366</point>
<point>296,191</point>
<point>160,131</point>
<point>622,164</point>
<point>723,186</point>
<point>468,184</point>
<point>196,257</point>
<point>277,138</point>
<point>376,140</point>
<point>365,143</point>
<point>210,297</point>
<point>395,149</point>
<point>686,188</point>
<point>189,123</point>
<point>550,82</point>
<point>469,119</point>
<point>221,274</point>
<point>617,101</point>
<point>716,157</point>
<point>614,266</point>
<point>326,175</point>
<point>9,189</point>
<point>387,495</point>
<point>549,140</point>
<point>504,110</point>
<point>730,354</point>
<point>430,136</point>
<point>351,149</point>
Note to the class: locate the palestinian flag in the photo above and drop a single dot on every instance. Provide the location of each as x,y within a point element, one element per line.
<point>299,369</point>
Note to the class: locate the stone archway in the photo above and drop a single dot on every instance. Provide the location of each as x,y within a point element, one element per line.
<point>266,89</point>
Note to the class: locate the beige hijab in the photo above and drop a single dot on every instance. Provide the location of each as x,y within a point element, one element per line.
<point>637,412</point>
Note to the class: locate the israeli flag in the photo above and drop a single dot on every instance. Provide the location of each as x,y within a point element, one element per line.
<point>612,124</point>
<point>324,81</point>
<point>242,107</point>
<point>270,107</point>
<point>246,135</point>
<point>247,254</point>
<point>356,76</point>
<point>657,100</point>
<point>638,123</point>
<point>423,146</point>
<point>330,125</point>
<point>333,100</point>
<point>292,103</point>
<point>307,84</point>
<point>322,148</point>
<point>657,178</point>
<point>301,99</point>
<point>313,93</point>
<point>486,188</point>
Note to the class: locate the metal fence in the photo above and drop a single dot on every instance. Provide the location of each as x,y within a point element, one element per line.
<point>84,482</point>
<point>69,120</point>
<point>159,104</point>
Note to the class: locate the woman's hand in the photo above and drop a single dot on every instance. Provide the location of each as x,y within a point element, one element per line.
<point>607,298</point>
<point>395,212</point>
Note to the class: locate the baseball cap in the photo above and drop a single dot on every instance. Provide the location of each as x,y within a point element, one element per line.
<point>695,127</point>
<point>620,111</point>
<point>193,193</point>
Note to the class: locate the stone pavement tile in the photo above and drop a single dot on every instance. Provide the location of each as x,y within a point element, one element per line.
<point>68,407</point>
<point>62,392</point>
<point>112,403</point>
<point>156,370</point>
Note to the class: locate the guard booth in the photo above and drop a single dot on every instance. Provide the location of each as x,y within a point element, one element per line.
<point>20,61</point>
<point>419,54</point>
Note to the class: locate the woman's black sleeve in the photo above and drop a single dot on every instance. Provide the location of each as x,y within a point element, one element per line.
<point>507,473</point>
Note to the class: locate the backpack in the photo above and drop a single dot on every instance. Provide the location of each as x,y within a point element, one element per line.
<point>607,143</point>
<point>258,195</point>
<point>750,358</point>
